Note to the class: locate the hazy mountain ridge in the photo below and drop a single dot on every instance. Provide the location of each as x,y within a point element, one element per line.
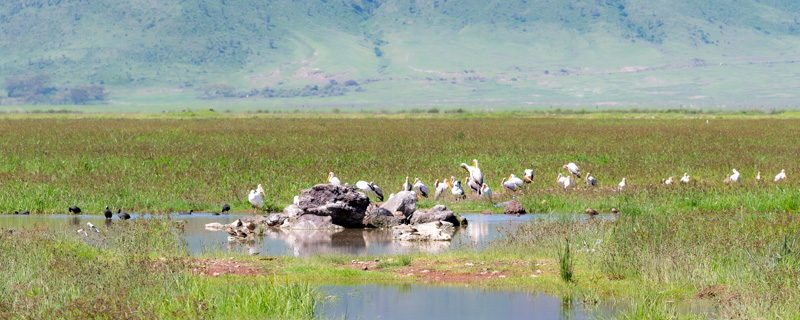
<point>396,44</point>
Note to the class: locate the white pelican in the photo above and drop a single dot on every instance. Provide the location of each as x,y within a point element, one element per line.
<point>736,177</point>
<point>420,188</point>
<point>474,187</point>
<point>527,176</point>
<point>440,187</point>
<point>255,198</point>
<point>457,190</point>
<point>758,177</point>
<point>474,172</point>
<point>781,175</point>
<point>573,169</point>
<point>685,178</point>
<point>565,182</point>
<point>333,180</point>
<point>591,181</point>
<point>407,186</point>
<point>486,192</point>
<point>369,188</point>
<point>623,183</point>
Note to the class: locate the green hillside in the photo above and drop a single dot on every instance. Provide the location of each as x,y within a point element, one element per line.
<point>249,54</point>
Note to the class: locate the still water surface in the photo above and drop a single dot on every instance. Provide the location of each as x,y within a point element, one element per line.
<point>479,232</point>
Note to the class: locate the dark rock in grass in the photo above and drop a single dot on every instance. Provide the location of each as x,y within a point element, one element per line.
<point>344,204</point>
<point>514,207</point>
<point>276,219</point>
<point>437,213</point>
<point>381,218</point>
<point>310,222</point>
<point>403,201</point>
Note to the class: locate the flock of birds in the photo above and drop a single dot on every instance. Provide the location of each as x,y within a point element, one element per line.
<point>475,183</point>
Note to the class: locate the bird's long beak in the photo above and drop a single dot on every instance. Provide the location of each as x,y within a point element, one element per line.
<point>449,183</point>
<point>475,163</point>
<point>528,179</point>
<point>328,179</point>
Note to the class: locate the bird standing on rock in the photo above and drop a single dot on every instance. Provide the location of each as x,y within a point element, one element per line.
<point>332,180</point>
<point>420,188</point>
<point>255,198</point>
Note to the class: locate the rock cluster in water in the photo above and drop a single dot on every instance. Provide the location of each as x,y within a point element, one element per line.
<point>326,206</point>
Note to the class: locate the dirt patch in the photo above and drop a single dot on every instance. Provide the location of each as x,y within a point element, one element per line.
<point>459,271</point>
<point>218,267</point>
<point>718,293</point>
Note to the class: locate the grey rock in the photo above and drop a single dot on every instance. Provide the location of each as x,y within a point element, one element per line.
<point>292,211</point>
<point>344,204</point>
<point>514,207</point>
<point>437,213</point>
<point>403,201</point>
<point>311,222</point>
<point>256,219</point>
<point>381,218</point>
<point>276,219</point>
<point>431,231</point>
<point>501,204</point>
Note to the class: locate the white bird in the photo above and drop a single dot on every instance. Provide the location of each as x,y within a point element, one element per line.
<point>255,198</point>
<point>407,186</point>
<point>92,227</point>
<point>474,187</point>
<point>333,180</point>
<point>781,175</point>
<point>474,172</point>
<point>420,188</point>
<point>527,176</point>
<point>440,187</point>
<point>370,188</point>
<point>736,177</point>
<point>591,181</point>
<point>296,200</point>
<point>457,190</point>
<point>573,169</point>
<point>565,182</point>
<point>517,181</point>
<point>685,178</point>
<point>512,183</point>
<point>486,192</point>
<point>758,177</point>
<point>623,183</point>
<point>82,232</point>
<point>669,181</point>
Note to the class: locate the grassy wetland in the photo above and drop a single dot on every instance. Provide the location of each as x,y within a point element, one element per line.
<point>735,247</point>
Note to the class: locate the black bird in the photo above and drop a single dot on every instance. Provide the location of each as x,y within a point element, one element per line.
<point>226,208</point>
<point>23,212</point>
<point>108,213</point>
<point>185,213</point>
<point>215,214</point>
<point>74,209</point>
<point>123,215</point>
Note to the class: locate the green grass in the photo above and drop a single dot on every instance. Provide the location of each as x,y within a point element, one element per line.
<point>200,161</point>
<point>133,271</point>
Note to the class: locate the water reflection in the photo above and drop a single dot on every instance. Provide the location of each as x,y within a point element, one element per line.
<point>481,230</point>
<point>441,302</point>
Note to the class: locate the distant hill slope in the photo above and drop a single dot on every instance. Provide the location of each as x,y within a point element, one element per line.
<point>412,53</point>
